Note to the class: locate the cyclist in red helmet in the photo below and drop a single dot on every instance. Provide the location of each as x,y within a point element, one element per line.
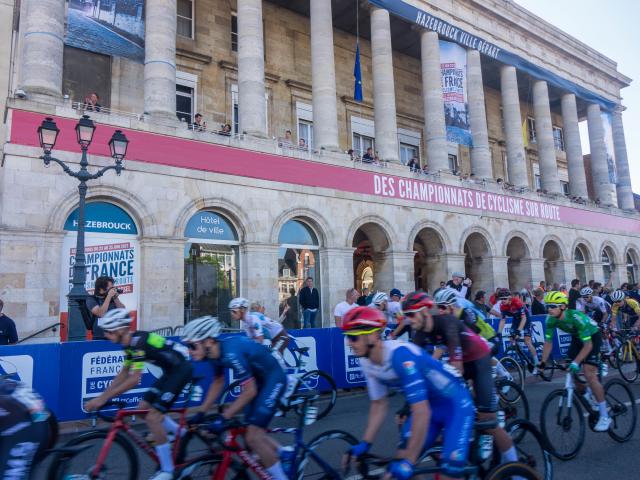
<point>439,401</point>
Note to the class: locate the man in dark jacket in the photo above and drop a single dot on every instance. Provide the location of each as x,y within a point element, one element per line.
<point>537,305</point>
<point>8,333</point>
<point>309,300</point>
<point>574,293</point>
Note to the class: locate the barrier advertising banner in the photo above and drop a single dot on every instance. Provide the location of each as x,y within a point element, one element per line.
<point>453,65</point>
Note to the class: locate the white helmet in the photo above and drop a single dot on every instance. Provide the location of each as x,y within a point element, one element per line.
<point>586,292</point>
<point>378,298</point>
<point>115,319</point>
<point>617,296</point>
<point>201,328</point>
<point>446,296</point>
<point>238,302</point>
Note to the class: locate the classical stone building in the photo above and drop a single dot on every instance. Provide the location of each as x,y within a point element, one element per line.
<point>202,214</point>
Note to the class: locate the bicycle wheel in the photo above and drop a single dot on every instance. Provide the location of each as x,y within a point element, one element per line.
<point>506,471</point>
<point>563,427</point>
<point>531,447</point>
<point>622,409</point>
<point>512,401</point>
<point>322,458</point>
<point>121,461</point>
<point>322,383</point>
<point>205,468</point>
<point>628,365</point>
<point>514,370</point>
<point>195,443</point>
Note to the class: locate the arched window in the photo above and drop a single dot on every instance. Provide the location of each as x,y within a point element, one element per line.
<point>298,260</point>
<point>632,267</point>
<point>607,263</point>
<point>210,266</point>
<point>579,259</point>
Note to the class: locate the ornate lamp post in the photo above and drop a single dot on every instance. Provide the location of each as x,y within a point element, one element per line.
<point>48,134</point>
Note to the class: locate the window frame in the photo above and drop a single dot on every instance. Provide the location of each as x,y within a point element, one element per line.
<point>558,142</point>
<point>192,19</point>
<point>188,80</point>
<point>304,116</point>
<point>234,34</point>
<point>531,130</point>
<point>363,128</point>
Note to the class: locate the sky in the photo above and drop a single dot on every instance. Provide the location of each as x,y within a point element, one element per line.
<point>611,27</point>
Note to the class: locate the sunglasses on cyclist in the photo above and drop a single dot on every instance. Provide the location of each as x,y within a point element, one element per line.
<point>552,306</point>
<point>442,307</point>
<point>192,346</point>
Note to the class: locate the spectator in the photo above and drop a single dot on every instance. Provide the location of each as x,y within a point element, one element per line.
<point>104,298</point>
<point>91,103</point>
<point>309,300</point>
<point>286,141</point>
<point>425,169</point>
<point>597,288</point>
<point>443,284</point>
<point>394,307</point>
<point>362,299</point>
<point>8,333</point>
<point>461,284</point>
<point>353,155</point>
<point>537,305</point>
<point>291,315</point>
<point>343,307</point>
<point>574,293</point>
<point>414,165</point>
<point>226,130</point>
<point>198,125</point>
<point>368,156</point>
<point>556,287</point>
<point>543,285</point>
<point>633,292</point>
<point>480,302</point>
<point>302,144</point>
<point>493,299</point>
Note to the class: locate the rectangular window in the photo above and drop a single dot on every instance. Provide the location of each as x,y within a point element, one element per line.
<point>362,135</point>
<point>505,165</point>
<point>186,93</point>
<point>531,129</point>
<point>537,181</point>
<point>453,162</point>
<point>565,187</point>
<point>185,18</point>
<point>407,152</point>
<point>305,134</point>
<point>234,32</point>
<point>558,139</point>
<point>361,143</point>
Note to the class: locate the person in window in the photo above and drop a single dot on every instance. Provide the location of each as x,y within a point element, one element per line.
<point>309,300</point>
<point>368,156</point>
<point>104,298</point>
<point>302,144</point>
<point>286,141</point>
<point>226,129</point>
<point>198,125</point>
<point>414,165</point>
<point>91,103</point>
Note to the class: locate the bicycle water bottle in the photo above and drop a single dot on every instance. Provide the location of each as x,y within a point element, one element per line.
<point>604,369</point>
<point>485,446</point>
<point>311,415</point>
<point>501,418</point>
<point>287,457</point>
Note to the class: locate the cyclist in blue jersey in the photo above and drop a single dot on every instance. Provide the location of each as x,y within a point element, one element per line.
<point>440,403</point>
<point>263,383</point>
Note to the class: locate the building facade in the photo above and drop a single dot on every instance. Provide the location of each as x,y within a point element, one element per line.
<point>484,95</point>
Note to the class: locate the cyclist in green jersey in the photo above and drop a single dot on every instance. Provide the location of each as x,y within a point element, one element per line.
<point>586,341</point>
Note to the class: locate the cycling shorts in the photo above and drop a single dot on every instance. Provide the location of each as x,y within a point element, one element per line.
<point>264,406</point>
<point>479,372</point>
<point>455,423</point>
<point>167,388</point>
<point>594,355</point>
<point>22,444</point>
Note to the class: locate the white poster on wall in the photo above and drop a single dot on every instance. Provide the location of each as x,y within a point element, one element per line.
<point>453,65</point>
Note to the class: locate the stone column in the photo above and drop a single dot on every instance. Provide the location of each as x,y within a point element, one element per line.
<point>500,277</point>
<point>323,74</point>
<point>434,126</point>
<point>384,94</point>
<point>394,269</point>
<point>625,193</point>
<point>259,279</point>
<point>537,271</point>
<point>336,273</point>
<point>599,171</point>
<point>251,103</point>
<point>573,147</point>
<point>480,152</point>
<point>160,59</point>
<point>544,138</point>
<point>42,47</point>
<point>455,263</point>
<point>516,160</point>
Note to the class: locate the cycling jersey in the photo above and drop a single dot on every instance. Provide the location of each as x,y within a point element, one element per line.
<point>407,367</point>
<point>516,309</point>
<point>630,307</point>
<point>575,323</point>
<point>463,345</point>
<point>247,360</point>
<point>155,349</point>
<point>252,325</point>
<point>476,323</point>
<point>598,307</point>
<point>270,328</point>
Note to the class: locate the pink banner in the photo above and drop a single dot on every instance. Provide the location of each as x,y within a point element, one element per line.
<point>196,155</point>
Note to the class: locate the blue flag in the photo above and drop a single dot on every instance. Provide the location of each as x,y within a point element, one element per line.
<point>357,89</point>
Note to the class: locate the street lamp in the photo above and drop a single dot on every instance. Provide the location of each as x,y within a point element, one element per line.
<point>48,133</point>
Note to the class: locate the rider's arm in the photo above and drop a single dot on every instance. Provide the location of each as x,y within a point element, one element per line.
<point>212,395</point>
<point>377,416</point>
<point>587,346</point>
<point>546,350</point>
<point>523,319</point>
<point>126,379</point>
<point>248,393</point>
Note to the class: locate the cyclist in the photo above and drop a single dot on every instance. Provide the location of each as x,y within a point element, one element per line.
<point>628,307</point>
<point>263,383</point>
<point>439,401</point>
<point>271,329</point>
<point>586,340</point>
<point>249,321</point>
<point>512,306</point>
<point>141,347</point>
<point>468,352</point>
<point>24,429</point>
<point>381,301</point>
<point>596,307</point>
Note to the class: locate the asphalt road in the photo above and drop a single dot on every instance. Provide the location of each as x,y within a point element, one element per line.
<point>599,458</point>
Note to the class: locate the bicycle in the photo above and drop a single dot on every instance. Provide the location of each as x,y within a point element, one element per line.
<point>313,380</point>
<point>558,426</point>
<point>229,458</point>
<point>513,368</point>
<point>628,355</point>
<point>515,351</point>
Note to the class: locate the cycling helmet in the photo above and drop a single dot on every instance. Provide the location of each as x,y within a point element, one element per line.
<point>378,298</point>
<point>617,296</point>
<point>238,302</point>
<point>556,298</point>
<point>586,292</point>
<point>201,328</point>
<point>115,319</point>
<point>504,293</point>
<point>362,320</point>
<point>416,301</point>
<point>446,296</point>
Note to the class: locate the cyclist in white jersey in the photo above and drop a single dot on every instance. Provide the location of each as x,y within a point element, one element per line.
<point>380,301</point>
<point>249,322</point>
<point>593,304</point>
<point>271,329</point>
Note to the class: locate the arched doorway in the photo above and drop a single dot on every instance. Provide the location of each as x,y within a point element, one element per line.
<point>580,259</point>
<point>369,264</point>
<point>553,267</point>
<point>298,258</point>
<point>477,262</point>
<point>429,262</point>
<point>632,266</point>
<point>608,263</point>
<point>518,264</point>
